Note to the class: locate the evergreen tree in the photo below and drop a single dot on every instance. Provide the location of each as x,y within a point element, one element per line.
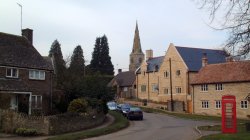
<point>95,61</point>
<point>77,66</point>
<point>106,64</point>
<point>59,64</point>
<point>101,61</point>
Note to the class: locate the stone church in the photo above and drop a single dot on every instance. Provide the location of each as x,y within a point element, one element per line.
<point>124,82</point>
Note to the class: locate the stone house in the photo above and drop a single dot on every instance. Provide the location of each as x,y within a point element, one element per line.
<point>124,83</point>
<point>215,80</point>
<point>25,76</point>
<point>165,78</point>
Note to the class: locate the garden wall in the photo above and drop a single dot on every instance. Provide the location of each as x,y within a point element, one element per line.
<point>48,125</point>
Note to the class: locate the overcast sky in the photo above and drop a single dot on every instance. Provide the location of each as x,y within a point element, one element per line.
<point>79,22</point>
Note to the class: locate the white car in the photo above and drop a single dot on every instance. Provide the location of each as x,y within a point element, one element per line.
<point>111,105</point>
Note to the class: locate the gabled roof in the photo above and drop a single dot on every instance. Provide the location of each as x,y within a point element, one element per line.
<point>16,51</point>
<point>193,57</point>
<point>125,79</point>
<point>223,73</point>
<point>154,63</point>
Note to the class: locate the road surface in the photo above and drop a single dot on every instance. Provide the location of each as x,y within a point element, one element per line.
<point>158,127</point>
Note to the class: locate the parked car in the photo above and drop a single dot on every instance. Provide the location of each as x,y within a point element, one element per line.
<point>123,108</point>
<point>135,113</point>
<point>112,105</point>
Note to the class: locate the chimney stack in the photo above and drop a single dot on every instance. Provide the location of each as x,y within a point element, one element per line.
<point>204,60</point>
<point>119,71</point>
<point>28,34</point>
<point>229,59</point>
<point>149,54</point>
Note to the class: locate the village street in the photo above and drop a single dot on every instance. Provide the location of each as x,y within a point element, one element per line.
<point>158,127</point>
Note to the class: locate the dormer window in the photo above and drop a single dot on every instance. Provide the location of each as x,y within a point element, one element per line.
<point>12,72</point>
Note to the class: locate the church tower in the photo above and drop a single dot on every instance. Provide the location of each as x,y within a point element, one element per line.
<point>136,56</point>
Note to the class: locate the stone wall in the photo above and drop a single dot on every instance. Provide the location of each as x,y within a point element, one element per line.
<point>48,125</point>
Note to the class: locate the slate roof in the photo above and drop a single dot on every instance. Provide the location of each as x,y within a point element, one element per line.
<point>16,51</point>
<point>125,79</point>
<point>193,57</point>
<point>223,73</point>
<point>154,63</point>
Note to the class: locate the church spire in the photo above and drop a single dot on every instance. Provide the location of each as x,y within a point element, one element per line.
<point>137,43</point>
<point>136,56</point>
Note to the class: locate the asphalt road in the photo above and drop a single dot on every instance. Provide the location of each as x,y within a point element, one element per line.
<point>158,127</point>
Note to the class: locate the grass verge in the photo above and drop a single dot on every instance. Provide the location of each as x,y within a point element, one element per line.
<point>182,115</point>
<point>241,134</point>
<point>119,123</point>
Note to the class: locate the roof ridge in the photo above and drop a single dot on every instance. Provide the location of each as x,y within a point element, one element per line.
<point>11,34</point>
<point>198,48</point>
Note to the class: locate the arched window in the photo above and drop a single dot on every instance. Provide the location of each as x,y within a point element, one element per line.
<point>131,60</point>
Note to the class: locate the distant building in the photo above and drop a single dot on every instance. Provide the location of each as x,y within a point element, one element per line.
<point>160,77</point>
<point>25,76</point>
<point>215,80</point>
<point>124,82</point>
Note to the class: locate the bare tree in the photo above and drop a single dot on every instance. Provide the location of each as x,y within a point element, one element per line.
<point>233,16</point>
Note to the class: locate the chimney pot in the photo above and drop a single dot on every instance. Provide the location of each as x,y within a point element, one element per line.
<point>28,34</point>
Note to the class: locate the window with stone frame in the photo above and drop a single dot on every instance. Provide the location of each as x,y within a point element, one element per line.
<point>204,104</point>
<point>243,104</point>
<point>12,72</point>
<point>143,88</point>
<point>155,88</point>
<point>217,104</point>
<point>166,74</point>
<point>204,87</point>
<point>165,90</point>
<point>218,87</point>
<point>178,73</point>
<point>178,89</point>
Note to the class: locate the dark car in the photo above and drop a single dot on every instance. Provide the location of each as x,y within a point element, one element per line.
<point>123,108</point>
<point>135,113</point>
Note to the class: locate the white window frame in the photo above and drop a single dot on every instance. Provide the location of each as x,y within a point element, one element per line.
<point>33,73</point>
<point>204,87</point>
<point>36,102</point>
<point>217,104</point>
<point>244,104</point>
<point>178,90</point>
<point>205,104</point>
<point>155,88</point>
<point>219,87</point>
<point>11,72</point>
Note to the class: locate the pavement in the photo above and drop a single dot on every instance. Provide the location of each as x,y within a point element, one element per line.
<point>108,120</point>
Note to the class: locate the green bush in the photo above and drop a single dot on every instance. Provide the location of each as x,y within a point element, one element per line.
<point>26,132</point>
<point>79,105</point>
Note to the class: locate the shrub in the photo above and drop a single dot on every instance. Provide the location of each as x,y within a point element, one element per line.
<point>79,105</point>
<point>26,132</point>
